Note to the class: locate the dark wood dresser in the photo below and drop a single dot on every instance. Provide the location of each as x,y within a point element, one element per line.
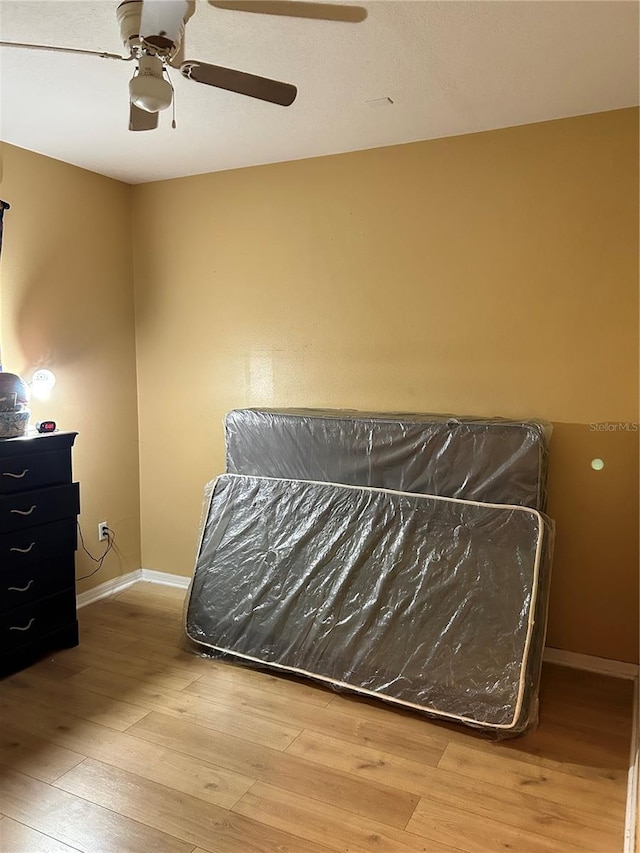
<point>39,504</point>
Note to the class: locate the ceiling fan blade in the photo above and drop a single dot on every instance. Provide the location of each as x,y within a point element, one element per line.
<point>240,82</point>
<point>161,21</point>
<point>296,9</point>
<point>102,54</point>
<point>141,119</point>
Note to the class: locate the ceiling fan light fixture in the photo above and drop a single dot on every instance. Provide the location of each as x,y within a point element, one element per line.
<point>148,89</point>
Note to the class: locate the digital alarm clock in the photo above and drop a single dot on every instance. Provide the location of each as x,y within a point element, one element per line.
<point>46,426</point>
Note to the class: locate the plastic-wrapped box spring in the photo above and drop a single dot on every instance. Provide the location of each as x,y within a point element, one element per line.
<point>493,460</point>
<point>432,603</point>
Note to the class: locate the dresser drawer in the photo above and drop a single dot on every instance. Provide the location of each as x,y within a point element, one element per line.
<point>28,509</point>
<point>33,470</point>
<point>21,585</point>
<point>25,625</point>
<point>21,548</point>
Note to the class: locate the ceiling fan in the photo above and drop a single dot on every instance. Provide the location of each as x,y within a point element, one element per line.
<point>152,32</point>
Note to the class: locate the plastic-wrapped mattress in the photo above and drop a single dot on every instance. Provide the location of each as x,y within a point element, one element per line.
<point>432,603</point>
<point>481,459</point>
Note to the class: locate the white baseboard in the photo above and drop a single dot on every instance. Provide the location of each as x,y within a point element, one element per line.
<point>590,663</point>
<point>115,585</point>
<point>152,576</point>
<point>108,588</point>
<point>633,783</point>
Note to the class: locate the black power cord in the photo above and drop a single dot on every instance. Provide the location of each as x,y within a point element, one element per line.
<point>111,538</point>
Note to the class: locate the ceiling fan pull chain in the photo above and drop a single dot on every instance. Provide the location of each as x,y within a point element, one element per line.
<point>173,99</point>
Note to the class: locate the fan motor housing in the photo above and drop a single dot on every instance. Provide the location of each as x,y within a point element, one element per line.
<point>129,15</point>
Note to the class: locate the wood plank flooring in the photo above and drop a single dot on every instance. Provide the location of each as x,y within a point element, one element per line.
<point>128,744</point>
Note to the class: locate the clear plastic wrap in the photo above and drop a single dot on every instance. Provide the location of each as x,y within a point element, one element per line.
<point>481,459</point>
<point>432,603</point>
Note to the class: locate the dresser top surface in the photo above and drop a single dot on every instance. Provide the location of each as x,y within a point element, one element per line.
<point>36,443</point>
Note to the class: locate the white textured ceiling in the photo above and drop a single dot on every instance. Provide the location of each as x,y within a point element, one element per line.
<point>450,67</point>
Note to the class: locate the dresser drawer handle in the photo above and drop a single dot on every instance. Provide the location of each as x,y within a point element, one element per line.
<point>23,550</point>
<point>20,588</point>
<point>16,476</point>
<point>24,511</point>
<point>26,627</point>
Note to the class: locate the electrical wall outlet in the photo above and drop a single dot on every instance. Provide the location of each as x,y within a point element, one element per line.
<point>103,531</point>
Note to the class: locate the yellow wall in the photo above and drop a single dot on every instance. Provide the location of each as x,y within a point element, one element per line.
<point>66,302</point>
<point>489,274</point>
<point>494,273</point>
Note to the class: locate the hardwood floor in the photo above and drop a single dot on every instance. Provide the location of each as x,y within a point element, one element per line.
<point>128,744</point>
